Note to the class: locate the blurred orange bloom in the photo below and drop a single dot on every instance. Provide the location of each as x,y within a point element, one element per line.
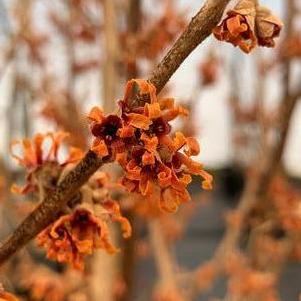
<point>42,149</point>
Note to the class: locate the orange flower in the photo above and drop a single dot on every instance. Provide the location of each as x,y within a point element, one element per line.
<point>239,26</point>
<point>113,209</point>
<point>74,236</point>
<point>155,164</point>
<point>35,152</point>
<point>43,284</point>
<point>38,158</point>
<point>249,25</point>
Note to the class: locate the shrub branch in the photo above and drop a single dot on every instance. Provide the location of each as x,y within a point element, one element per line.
<point>197,31</point>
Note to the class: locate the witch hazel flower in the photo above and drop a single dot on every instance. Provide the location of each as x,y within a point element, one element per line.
<point>248,25</point>
<point>156,164</point>
<point>77,234</point>
<point>39,157</point>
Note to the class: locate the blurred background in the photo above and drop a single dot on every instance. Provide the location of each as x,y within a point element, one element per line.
<point>60,58</point>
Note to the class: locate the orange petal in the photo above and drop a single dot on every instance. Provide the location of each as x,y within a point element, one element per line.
<point>166,103</point>
<point>121,158</point>
<point>152,110</point>
<point>57,139</point>
<point>179,140</point>
<point>235,25</point>
<point>148,159</point>
<point>164,177</point>
<point>133,170</point>
<point>30,158</point>
<point>96,114</point>
<point>150,143</point>
<point>139,121</point>
<point>126,131</point>
<point>193,147</point>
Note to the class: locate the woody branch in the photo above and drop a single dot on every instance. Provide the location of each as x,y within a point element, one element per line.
<point>197,31</point>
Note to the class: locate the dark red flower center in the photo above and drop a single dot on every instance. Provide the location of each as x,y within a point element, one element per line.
<point>160,127</point>
<point>107,129</point>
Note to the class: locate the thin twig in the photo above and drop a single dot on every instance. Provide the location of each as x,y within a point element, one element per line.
<point>197,31</point>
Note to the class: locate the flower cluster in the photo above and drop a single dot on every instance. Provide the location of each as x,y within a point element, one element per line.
<point>77,234</point>
<point>40,159</point>
<point>156,165</point>
<point>247,283</point>
<point>44,284</point>
<point>249,25</point>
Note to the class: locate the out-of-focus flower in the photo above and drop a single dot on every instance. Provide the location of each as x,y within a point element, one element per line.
<point>205,276</point>
<point>44,285</point>
<point>245,282</point>
<point>35,155</point>
<point>85,66</point>
<point>41,161</point>
<point>208,70</point>
<point>249,25</point>
<point>156,37</point>
<point>156,165</point>
<point>252,283</point>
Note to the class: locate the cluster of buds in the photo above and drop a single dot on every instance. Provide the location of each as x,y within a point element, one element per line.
<point>156,165</point>
<point>248,25</point>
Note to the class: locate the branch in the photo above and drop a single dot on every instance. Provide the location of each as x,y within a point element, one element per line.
<point>197,31</point>
<point>199,28</point>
